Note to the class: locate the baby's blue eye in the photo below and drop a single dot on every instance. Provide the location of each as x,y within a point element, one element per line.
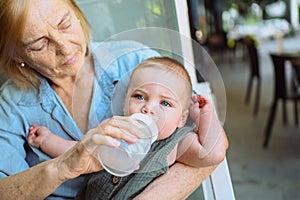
<point>165,103</point>
<point>139,97</point>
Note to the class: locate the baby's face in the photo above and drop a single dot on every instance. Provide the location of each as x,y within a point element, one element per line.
<point>159,94</point>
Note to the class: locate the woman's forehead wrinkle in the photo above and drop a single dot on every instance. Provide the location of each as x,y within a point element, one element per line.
<point>44,20</point>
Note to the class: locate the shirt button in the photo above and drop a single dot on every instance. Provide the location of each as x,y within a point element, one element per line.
<point>116,180</point>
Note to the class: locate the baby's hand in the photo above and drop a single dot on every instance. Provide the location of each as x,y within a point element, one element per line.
<point>37,135</point>
<point>201,100</point>
<point>199,106</point>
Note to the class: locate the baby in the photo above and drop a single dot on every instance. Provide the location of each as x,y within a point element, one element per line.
<point>160,88</point>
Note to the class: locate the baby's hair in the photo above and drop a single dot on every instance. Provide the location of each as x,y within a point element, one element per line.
<point>168,64</point>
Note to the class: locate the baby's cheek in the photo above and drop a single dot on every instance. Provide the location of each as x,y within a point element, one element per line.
<point>166,129</point>
<point>131,109</point>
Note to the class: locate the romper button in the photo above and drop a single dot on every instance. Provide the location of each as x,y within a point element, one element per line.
<point>116,180</point>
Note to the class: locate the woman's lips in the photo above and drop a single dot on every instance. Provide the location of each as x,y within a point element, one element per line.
<point>71,61</point>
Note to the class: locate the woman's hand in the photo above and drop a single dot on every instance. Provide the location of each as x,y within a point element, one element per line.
<point>83,159</point>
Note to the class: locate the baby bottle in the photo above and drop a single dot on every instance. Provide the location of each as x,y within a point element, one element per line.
<point>123,160</point>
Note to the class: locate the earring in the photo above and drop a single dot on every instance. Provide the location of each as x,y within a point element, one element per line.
<point>22,64</point>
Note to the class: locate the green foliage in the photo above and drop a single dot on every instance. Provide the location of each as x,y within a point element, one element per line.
<point>245,4</point>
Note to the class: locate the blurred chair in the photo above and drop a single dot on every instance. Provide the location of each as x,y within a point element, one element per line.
<point>254,72</point>
<point>296,75</point>
<point>281,93</point>
<point>217,44</point>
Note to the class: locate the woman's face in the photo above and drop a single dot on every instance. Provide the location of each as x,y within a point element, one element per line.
<point>53,40</point>
<point>159,94</point>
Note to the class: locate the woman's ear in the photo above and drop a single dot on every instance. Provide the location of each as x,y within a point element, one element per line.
<point>183,119</point>
<point>18,59</point>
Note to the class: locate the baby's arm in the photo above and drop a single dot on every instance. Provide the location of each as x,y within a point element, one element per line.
<point>51,144</point>
<point>207,147</point>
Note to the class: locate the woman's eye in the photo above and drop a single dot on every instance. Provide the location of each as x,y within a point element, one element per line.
<point>165,103</point>
<point>38,46</point>
<point>65,25</point>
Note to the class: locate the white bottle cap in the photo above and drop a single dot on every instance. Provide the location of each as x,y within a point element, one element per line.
<point>149,122</point>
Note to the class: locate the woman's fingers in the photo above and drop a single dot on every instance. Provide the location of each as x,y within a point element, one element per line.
<point>105,140</point>
<point>82,158</point>
<point>118,127</point>
<point>119,133</point>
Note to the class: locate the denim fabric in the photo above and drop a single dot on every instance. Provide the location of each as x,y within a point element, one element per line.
<point>19,110</point>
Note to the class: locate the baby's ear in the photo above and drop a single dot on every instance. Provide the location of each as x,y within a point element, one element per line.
<point>183,119</point>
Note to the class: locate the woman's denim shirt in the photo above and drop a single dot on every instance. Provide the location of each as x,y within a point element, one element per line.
<point>21,109</point>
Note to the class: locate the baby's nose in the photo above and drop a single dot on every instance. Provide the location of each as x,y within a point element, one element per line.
<point>147,109</point>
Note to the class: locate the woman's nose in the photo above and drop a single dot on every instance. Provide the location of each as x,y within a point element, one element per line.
<point>61,44</point>
<point>62,47</point>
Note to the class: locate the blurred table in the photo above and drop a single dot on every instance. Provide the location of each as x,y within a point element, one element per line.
<point>288,55</point>
<point>294,58</point>
<point>281,91</point>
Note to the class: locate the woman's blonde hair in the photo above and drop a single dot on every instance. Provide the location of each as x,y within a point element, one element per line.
<point>13,16</point>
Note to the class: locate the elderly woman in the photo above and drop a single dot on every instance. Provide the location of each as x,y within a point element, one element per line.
<point>47,55</point>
